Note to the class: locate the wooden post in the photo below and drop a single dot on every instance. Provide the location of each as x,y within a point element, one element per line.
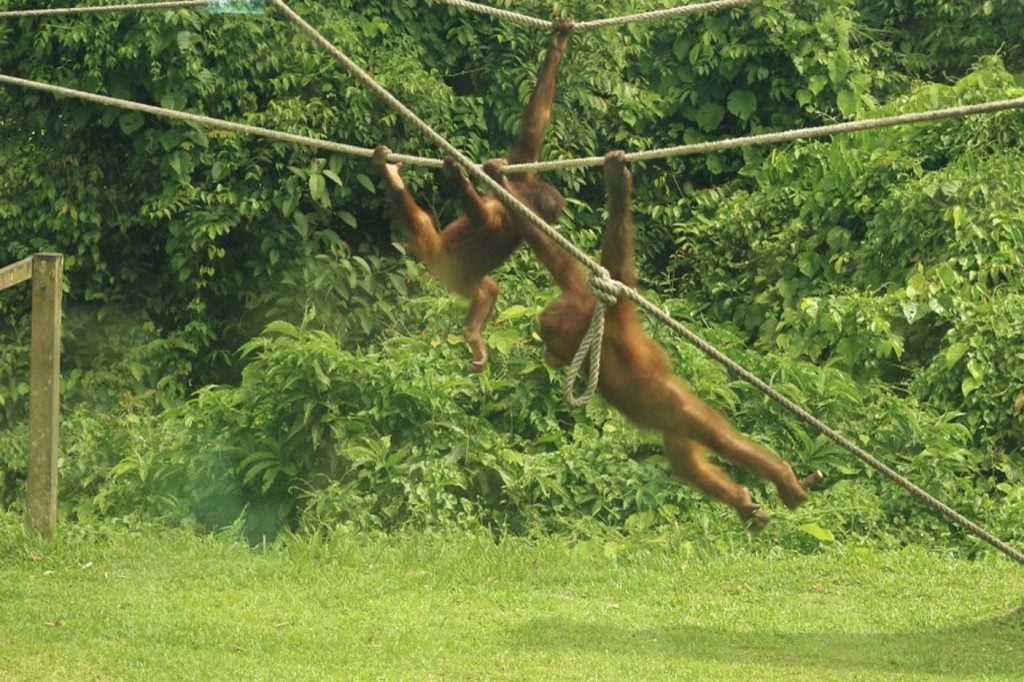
<point>44,392</point>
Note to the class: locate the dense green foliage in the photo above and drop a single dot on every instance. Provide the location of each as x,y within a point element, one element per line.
<point>939,39</point>
<point>243,343</point>
<point>909,248</point>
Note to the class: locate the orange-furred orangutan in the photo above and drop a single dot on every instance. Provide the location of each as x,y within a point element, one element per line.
<point>636,377</point>
<point>467,250</point>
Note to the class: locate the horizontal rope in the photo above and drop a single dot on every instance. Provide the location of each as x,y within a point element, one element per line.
<point>779,137</point>
<point>669,13</point>
<point>210,122</point>
<point>103,9</point>
<point>515,17</point>
<point>523,211</point>
<point>653,15</point>
<point>509,15</point>
<point>540,166</point>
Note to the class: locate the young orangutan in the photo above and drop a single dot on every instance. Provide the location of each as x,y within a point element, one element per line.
<point>636,377</point>
<point>463,254</point>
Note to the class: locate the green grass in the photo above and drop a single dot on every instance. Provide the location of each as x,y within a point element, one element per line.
<point>104,604</point>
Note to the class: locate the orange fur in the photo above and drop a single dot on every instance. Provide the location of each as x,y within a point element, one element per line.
<point>636,376</point>
<point>468,249</point>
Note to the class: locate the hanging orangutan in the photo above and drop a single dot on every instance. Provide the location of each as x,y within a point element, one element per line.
<point>467,250</point>
<point>636,376</point>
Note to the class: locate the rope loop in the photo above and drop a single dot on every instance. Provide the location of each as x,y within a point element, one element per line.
<point>607,291</point>
<point>590,349</point>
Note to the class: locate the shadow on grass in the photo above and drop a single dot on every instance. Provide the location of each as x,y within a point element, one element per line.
<point>993,647</point>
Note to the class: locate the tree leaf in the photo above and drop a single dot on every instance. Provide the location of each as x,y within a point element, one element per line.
<point>301,223</point>
<point>515,312</point>
<point>709,116</point>
<point>366,182</point>
<point>955,352</point>
<point>130,122</point>
<point>503,340</point>
<point>847,100</point>
<point>742,104</point>
<point>969,385</point>
<point>333,177</point>
<point>317,186</point>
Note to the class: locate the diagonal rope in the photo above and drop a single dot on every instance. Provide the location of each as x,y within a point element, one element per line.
<point>468,164</point>
<point>523,211</point>
<point>210,122</point>
<point>826,430</point>
<point>103,9</point>
<point>782,136</point>
<point>668,13</point>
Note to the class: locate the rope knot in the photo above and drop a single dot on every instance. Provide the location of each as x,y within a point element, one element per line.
<point>605,289</point>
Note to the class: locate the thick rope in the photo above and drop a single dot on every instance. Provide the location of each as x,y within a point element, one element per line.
<point>782,136</point>
<point>601,23</point>
<point>523,211</point>
<point>514,17</point>
<point>103,9</point>
<point>590,161</point>
<point>606,291</point>
<point>671,12</point>
<point>588,350</point>
<point>820,426</point>
<point>211,122</point>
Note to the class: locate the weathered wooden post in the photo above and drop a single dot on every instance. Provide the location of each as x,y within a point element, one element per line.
<point>44,392</point>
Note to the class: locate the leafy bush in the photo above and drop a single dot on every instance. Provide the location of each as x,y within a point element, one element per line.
<point>314,436</point>
<point>938,39</point>
<point>880,248</point>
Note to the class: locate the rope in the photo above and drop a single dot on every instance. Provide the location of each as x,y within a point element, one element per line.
<point>606,291</point>
<point>103,9</point>
<point>516,17</point>
<point>589,349</point>
<point>820,426</point>
<point>523,211</point>
<point>468,164</point>
<point>663,13</point>
<point>210,122</point>
<point>783,136</point>
<point>562,164</point>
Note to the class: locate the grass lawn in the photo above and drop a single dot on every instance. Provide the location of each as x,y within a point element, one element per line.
<point>103,604</point>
